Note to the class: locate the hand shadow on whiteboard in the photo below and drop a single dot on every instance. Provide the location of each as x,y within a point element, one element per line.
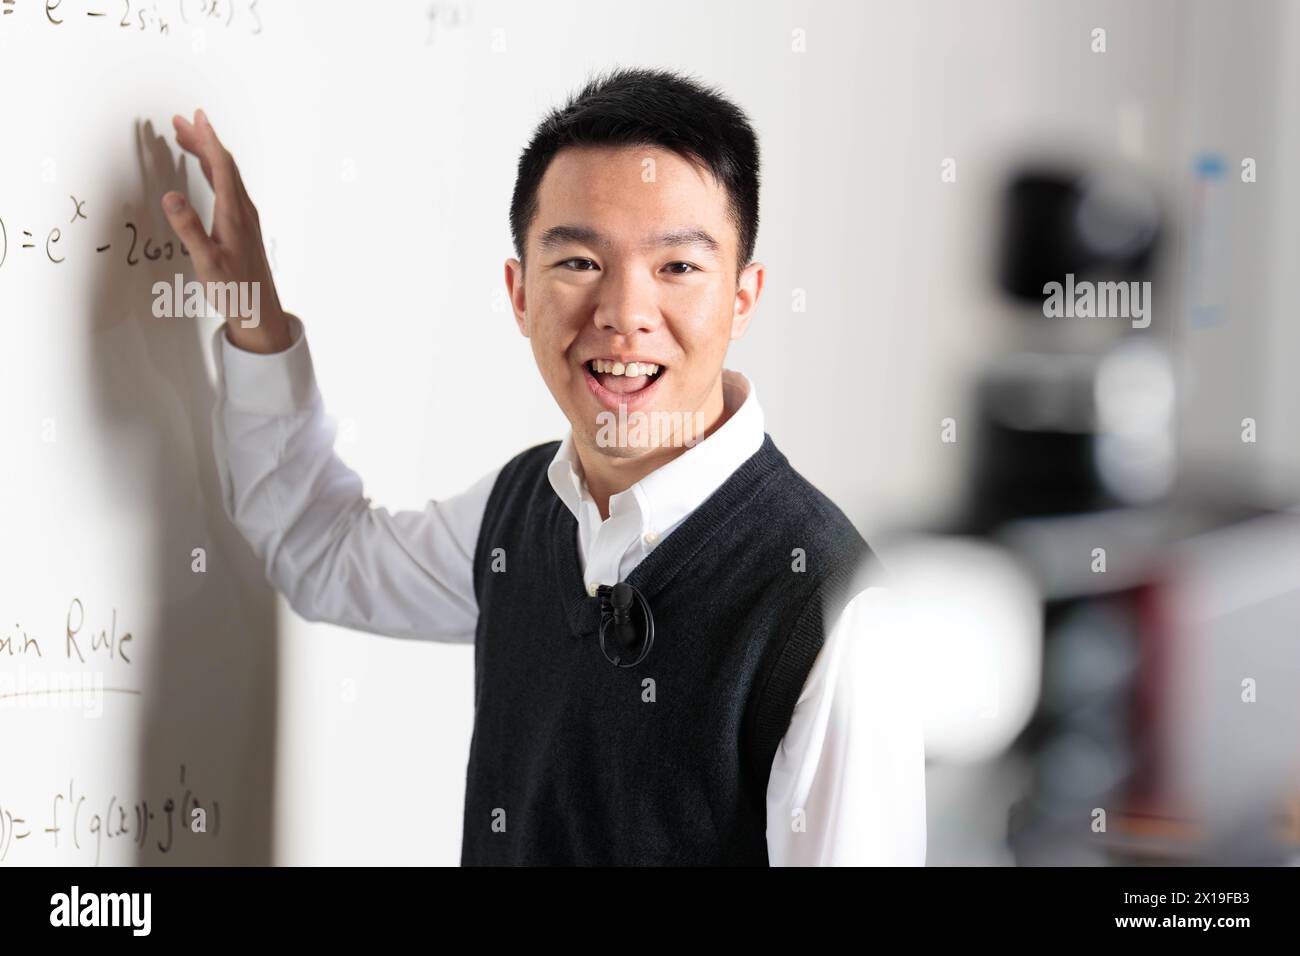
<point>207,658</point>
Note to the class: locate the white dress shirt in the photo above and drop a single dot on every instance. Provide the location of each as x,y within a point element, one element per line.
<point>847,785</point>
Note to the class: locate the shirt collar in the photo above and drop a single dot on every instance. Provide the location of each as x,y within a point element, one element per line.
<point>671,492</point>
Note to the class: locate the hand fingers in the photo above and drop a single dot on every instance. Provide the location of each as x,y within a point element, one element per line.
<point>187,137</point>
<point>185,221</point>
<point>239,179</point>
<point>223,164</point>
<point>232,208</point>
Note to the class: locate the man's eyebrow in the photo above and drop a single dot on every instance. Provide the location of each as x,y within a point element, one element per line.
<point>690,236</point>
<point>693,236</point>
<point>559,235</point>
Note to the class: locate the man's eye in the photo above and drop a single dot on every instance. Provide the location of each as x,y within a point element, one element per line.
<point>686,269</point>
<point>582,267</point>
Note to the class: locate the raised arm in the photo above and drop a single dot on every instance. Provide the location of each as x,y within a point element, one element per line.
<point>333,556</point>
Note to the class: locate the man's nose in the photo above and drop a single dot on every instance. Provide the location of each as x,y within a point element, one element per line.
<point>628,304</point>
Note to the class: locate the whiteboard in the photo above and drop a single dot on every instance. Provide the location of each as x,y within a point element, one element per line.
<point>140,655</point>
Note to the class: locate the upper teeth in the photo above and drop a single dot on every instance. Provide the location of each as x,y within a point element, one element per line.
<point>632,369</point>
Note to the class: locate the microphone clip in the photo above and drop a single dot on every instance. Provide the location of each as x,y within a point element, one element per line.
<point>617,626</point>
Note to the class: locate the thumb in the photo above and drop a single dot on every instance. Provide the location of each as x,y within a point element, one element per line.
<point>185,221</point>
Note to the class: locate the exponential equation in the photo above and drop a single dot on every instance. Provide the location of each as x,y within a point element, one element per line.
<point>54,242</point>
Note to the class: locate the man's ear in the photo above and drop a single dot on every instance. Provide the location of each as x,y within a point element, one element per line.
<point>515,289</point>
<point>748,288</point>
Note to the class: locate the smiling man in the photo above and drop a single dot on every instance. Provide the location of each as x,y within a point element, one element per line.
<point>621,315</point>
<point>676,659</point>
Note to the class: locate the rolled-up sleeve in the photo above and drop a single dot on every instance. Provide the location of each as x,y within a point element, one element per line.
<point>332,555</point>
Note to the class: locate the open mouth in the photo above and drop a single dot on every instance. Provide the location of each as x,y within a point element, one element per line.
<point>624,378</point>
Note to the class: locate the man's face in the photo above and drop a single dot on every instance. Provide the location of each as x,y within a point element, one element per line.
<point>631,258</point>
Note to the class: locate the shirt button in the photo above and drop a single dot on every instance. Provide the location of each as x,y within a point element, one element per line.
<point>650,537</point>
<point>592,589</point>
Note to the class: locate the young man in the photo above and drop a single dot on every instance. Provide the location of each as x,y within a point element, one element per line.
<point>723,704</point>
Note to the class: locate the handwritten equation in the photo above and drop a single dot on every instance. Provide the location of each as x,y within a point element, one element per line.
<point>48,244</point>
<point>140,16</point>
<point>82,824</point>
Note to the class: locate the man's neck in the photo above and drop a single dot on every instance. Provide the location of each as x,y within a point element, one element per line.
<point>607,476</point>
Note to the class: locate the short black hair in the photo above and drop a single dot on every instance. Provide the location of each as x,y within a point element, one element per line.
<point>642,107</point>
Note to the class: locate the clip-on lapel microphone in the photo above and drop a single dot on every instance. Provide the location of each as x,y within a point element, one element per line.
<point>616,620</point>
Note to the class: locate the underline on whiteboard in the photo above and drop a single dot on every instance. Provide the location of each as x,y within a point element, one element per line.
<point>74,690</point>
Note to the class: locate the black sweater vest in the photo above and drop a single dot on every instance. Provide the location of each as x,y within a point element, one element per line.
<point>576,761</point>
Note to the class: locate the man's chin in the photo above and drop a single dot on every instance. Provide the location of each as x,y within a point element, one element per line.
<point>620,452</point>
<point>606,442</point>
